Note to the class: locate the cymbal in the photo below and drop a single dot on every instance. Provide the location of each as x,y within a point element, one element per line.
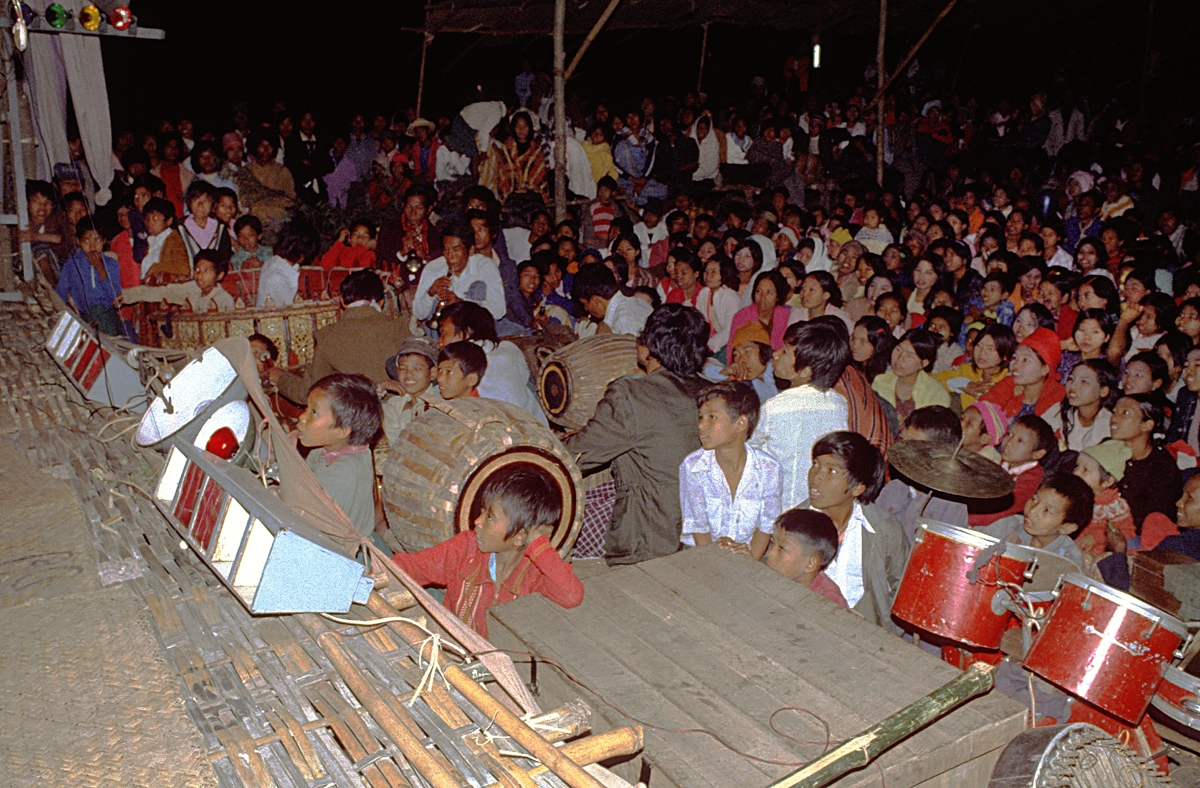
<point>948,469</point>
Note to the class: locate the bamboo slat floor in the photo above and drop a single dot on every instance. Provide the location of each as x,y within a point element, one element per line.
<point>255,701</point>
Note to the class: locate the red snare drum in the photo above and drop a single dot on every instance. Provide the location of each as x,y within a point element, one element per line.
<point>936,596</point>
<point>1179,698</point>
<point>1105,646</point>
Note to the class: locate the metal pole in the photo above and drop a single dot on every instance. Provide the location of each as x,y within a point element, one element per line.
<point>881,76</point>
<point>560,112</point>
<point>17,149</point>
<point>703,53</point>
<point>425,42</point>
<point>591,36</point>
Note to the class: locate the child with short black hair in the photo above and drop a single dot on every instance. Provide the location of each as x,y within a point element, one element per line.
<point>506,555</point>
<point>413,371</point>
<point>342,418</point>
<point>874,234</point>
<point>933,423</point>
<point>201,293</point>
<point>354,248</point>
<point>1028,447</point>
<point>803,543</point>
<point>997,308</point>
<point>461,365</point>
<point>845,478</point>
<point>166,259</point>
<point>729,492</point>
<point>90,281</point>
<point>1056,510</point>
<point>251,253</point>
<point>265,355</point>
<point>813,357</point>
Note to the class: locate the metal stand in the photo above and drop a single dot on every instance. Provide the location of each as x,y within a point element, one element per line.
<point>20,219</point>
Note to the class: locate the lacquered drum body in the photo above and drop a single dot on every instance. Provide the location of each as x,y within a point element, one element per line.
<point>1105,646</point>
<point>1178,697</point>
<point>935,594</point>
<point>573,378</point>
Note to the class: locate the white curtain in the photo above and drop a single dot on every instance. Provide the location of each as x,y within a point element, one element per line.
<point>55,63</point>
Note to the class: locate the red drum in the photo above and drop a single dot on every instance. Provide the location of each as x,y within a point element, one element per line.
<point>1179,698</point>
<point>936,596</point>
<point>1105,646</point>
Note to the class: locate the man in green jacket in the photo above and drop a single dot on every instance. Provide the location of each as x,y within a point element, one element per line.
<point>645,426</point>
<point>360,342</point>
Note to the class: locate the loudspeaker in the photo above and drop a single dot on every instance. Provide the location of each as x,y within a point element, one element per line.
<point>267,554</point>
<point>100,374</point>
<point>194,396</point>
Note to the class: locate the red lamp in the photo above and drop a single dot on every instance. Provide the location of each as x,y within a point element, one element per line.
<point>120,17</point>
<point>223,443</point>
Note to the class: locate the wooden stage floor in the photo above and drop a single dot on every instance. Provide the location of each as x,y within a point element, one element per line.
<point>704,639</point>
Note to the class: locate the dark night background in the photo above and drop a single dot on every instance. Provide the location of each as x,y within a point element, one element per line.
<point>354,57</point>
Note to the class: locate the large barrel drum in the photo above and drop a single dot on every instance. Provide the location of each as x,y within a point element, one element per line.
<point>574,378</point>
<point>436,467</point>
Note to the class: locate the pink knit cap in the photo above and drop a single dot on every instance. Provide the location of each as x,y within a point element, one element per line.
<point>994,421</point>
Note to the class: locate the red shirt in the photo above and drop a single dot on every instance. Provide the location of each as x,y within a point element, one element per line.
<point>459,566</point>
<point>342,256</point>
<point>828,589</point>
<point>131,272</point>
<point>1026,485</point>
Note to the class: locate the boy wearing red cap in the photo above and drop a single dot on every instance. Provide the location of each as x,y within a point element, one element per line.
<point>1031,387</point>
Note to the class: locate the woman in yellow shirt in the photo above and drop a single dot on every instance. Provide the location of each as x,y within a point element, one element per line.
<point>993,349</point>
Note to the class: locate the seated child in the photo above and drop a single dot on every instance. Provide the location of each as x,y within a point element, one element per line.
<point>166,258</point>
<point>1029,443</point>
<point>250,253</point>
<point>280,276</point>
<point>413,371</point>
<point>461,365</point>
<point>90,281</point>
<point>342,418</point>
<point>803,544</point>
<point>1051,515</point>
<point>201,293</point>
<point>997,308</point>
<point>505,556</point>
<point>845,478</point>
<point>983,427</point>
<point>813,357</point>
<point>1103,466</point>
<point>905,500</point>
<point>266,355</point>
<point>354,248</point>
<point>728,490</point>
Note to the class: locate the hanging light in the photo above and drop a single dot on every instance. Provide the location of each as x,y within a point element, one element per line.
<point>816,51</point>
<point>120,17</point>
<point>20,32</point>
<point>90,17</point>
<point>56,16</point>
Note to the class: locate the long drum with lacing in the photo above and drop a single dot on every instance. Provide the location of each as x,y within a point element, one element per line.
<point>439,462</point>
<point>574,378</point>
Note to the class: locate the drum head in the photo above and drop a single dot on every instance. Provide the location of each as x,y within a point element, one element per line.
<point>528,458</point>
<point>555,388</point>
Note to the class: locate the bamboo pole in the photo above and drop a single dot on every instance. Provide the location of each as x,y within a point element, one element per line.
<point>388,716</point>
<point>563,767</point>
<point>866,746</point>
<point>425,42</point>
<point>911,54</point>
<point>560,112</point>
<point>591,36</point>
<point>881,113</point>
<point>703,53</point>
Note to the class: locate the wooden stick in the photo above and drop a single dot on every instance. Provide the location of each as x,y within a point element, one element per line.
<point>388,716</point>
<point>426,40</point>
<point>879,66</point>
<point>591,36</point>
<point>703,53</point>
<point>908,58</point>
<point>560,112</point>
<point>567,770</point>
<point>593,749</point>
<point>865,747</point>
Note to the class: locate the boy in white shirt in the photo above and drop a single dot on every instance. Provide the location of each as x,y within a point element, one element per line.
<point>280,276</point>
<point>201,293</point>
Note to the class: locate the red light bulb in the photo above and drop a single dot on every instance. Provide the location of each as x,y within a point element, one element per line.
<point>120,17</point>
<point>222,443</point>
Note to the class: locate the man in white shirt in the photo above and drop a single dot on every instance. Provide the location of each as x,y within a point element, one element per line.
<point>596,288</point>
<point>457,276</point>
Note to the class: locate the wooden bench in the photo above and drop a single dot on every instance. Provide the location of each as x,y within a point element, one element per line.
<point>704,639</point>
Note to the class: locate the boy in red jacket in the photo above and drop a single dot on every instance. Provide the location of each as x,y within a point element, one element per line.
<point>1024,448</point>
<point>505,556</point>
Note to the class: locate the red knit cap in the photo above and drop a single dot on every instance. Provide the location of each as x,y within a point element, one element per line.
<point>1046,344</point>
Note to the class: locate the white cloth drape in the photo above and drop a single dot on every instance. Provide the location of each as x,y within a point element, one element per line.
<point>56,63</point>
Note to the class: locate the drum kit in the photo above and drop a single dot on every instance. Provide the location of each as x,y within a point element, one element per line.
<point>1113,653</point>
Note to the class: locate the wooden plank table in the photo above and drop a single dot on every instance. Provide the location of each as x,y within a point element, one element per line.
<point>707,640</point>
